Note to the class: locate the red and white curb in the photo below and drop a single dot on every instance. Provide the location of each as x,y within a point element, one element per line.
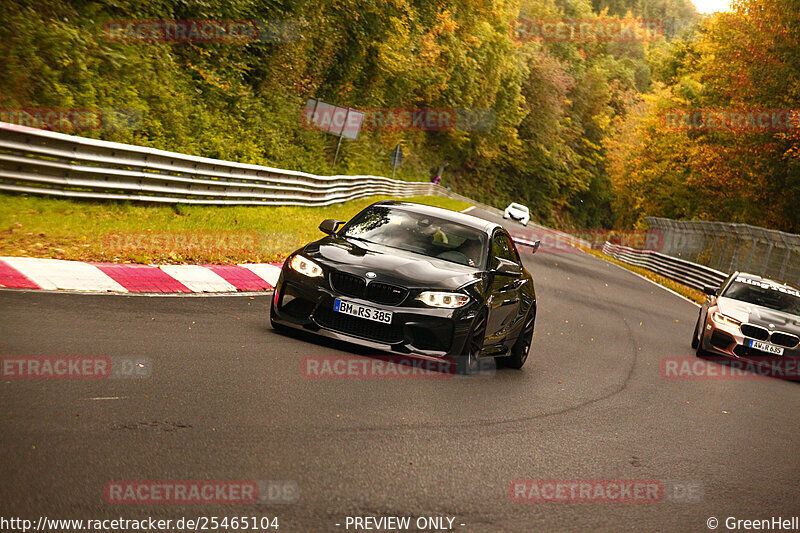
<point>56,274</point>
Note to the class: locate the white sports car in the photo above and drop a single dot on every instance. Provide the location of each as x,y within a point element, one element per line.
<point>518,212</point>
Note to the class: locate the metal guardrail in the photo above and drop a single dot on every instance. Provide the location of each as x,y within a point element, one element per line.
<point>692,274</point>
<point>731,247</point>
<point>43,162</point>
<point>38,161</point>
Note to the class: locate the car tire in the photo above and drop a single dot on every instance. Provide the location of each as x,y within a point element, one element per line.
<point>469,363</point>
<point>699,351</point>
<point>695,342</point>
<point>522,346</point>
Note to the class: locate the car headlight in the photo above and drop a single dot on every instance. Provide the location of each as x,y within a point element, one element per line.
<point>450,300</point>
<point>726,320</point>
<point>305,266</point>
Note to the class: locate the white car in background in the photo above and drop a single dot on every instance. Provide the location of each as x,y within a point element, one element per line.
<point>518,212</point>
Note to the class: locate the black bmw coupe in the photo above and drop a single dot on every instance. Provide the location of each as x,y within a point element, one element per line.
<point>412,279</point>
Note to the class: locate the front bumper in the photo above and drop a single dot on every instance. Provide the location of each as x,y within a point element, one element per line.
<point>430,333</point>
<point>728,340</point>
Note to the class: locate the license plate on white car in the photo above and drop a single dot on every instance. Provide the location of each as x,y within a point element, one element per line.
<point>766,347</point>
<point>362,311</point>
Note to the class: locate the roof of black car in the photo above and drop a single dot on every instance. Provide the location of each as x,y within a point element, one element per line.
<point>455,216</point>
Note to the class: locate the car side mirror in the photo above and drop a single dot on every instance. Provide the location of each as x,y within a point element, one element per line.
<point>508,268</point>
<point>329,226</point>
<point>709,290</point>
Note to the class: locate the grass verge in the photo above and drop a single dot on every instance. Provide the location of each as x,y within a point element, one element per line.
<point>683,290</point>
<point>125,232</point>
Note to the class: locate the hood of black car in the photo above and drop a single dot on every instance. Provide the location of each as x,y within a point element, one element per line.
<point>761,316</point>
<point>390,265</point>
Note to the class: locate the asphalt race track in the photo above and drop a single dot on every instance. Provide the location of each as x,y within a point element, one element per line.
<point>226,400</point>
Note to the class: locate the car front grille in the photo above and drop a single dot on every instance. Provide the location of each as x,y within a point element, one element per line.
<point>755,332</point>
<point>359,327</point>
<point>357,287</point>
<point>348,284</point>
<point>787,340</point>
<point>778,338</point>
<point>383,293</point>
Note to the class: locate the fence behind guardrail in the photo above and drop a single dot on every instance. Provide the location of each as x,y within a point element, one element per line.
<point>680,270</point>
<point>729,247</point>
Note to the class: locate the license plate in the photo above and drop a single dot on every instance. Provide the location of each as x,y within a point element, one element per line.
<point>362,311</point>
<point>766,347</point>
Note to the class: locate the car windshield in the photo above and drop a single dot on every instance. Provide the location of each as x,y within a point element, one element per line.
<point>419,233</point>
<point>769,295</point>
<point>519,207</point>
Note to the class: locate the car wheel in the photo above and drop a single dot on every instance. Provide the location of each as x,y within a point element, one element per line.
<point>700,352</point>
<point>695,342</point>
<point>519,352</point>
<point>469,363</point>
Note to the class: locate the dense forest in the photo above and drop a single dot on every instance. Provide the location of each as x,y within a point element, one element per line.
<point>583,130</point>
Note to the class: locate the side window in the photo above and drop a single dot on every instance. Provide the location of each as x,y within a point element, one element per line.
<point>503,248</point>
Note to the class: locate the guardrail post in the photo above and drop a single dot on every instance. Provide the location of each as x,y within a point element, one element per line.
<point>724,251</point>
<point>785,261</point>
<point>765,266</point>
<point>752,250</point>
